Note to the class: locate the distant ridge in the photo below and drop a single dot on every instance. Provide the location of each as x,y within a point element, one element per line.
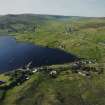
<point>31,14</point>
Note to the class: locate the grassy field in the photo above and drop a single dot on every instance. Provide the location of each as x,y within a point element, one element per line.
<point>66,89</point>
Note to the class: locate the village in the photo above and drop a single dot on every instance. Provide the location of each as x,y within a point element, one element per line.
<point>83,67</point>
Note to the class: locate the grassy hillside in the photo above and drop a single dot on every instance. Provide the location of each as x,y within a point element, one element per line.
<point>66,89</point>
<point>81,36</point>
<point>84,37</point>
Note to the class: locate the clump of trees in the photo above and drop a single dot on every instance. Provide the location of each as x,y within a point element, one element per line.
<point>70,29</point>
<point>18,77</point>
<point>19,27</point>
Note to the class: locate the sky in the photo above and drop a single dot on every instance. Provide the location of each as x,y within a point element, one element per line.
<point>90,8</point>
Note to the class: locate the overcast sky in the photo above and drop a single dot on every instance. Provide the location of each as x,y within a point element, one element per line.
<point>57,7</point>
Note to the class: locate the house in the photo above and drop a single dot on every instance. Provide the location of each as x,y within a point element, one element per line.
<point>84,73</point>
<point>35,70</point>
<point>27,78</point>
<point>81,73</point>
<point>53,73</point>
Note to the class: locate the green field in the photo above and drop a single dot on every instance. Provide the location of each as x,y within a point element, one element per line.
<point>81,36</point>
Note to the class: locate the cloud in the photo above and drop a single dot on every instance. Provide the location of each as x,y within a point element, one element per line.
<point>60,7</point>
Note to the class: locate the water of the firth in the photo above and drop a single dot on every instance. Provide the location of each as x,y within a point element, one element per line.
<point>15,55</point>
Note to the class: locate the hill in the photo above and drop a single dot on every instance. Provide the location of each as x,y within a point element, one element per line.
<point>82,36</point>
<point>79,35</point>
